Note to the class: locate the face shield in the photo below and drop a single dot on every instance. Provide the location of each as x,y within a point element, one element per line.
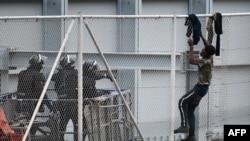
<point>95,66</point>
<point>71,59</point>
<point>67,61</point>
<point>42,58</point>
<point>37,61</point>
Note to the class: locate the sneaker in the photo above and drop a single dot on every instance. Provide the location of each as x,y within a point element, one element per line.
<point>189,138</point>
<point>181,129</point>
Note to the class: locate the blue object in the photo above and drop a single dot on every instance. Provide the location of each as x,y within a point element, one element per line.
<point>196,28</point>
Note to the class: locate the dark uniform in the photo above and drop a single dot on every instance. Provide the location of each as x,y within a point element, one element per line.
<point>90,75</point>
<point>89,82</point>
<point>66,87</point>
<point>30,86</point>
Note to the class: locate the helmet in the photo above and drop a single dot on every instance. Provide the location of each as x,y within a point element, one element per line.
<point>67,61</point>
<point>37,59</point>
<point>90,66</point>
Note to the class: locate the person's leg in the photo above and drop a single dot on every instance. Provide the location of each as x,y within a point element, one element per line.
<point>64,118</point>
<point>30,107</point>
<point>194,102</point>
<point>84,126</point>
<point>47,103</point>
<point>183,103</point>
<point>191,119</point>
<point>74,118</point>
<point>191,122</point>
<point>183,110</point>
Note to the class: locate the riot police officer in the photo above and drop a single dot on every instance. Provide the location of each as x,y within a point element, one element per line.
<point>30,85</point>
<point>29,88</point>
<point>66,88</point>
<point>90,75</point>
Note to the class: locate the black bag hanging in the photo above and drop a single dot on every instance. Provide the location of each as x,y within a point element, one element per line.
<point>218,30</point>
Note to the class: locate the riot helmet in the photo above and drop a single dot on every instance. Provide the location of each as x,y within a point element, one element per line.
<point>36,61</point>
<point>90,66</point>
<point>67,61</point>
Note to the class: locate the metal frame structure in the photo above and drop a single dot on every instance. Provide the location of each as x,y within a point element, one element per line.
<point>173,54</point>
<point>107,117</point>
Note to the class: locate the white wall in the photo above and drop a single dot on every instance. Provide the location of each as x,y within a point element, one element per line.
<point>231,6</point>
<point>95,7</point>
<point>20,8</point>
<point>164,7</point>
<point>92,7</point>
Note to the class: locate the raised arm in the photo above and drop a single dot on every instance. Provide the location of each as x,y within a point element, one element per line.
<point>205,41</point>
<point>192,60</point>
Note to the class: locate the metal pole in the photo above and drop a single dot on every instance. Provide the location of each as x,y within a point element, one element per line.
<point>80,97</point>
<point>115,16</point>
<point>113,79</point>
<point>48,81</point>
<point>172,83</point>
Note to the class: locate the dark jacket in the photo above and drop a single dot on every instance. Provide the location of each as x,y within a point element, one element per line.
<point>218,31</point>
<point>89,84</point>
<point>30,86</point>
<point>30,83</point>
<point>66,82</point>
